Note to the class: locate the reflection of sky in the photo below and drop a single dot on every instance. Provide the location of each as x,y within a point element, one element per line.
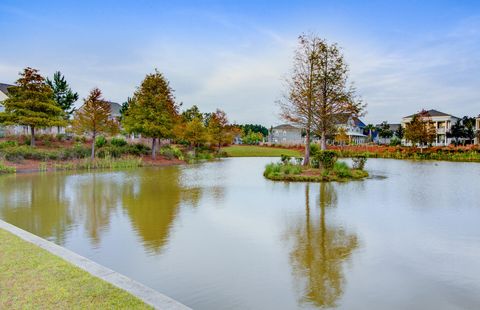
<point>228,245</point>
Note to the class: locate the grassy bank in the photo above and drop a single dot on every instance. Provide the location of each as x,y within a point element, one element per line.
<point>460,154</point>
<point>32,278</point>
<point>259,151</point>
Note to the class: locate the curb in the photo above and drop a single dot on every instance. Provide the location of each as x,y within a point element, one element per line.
<point>142,292</point>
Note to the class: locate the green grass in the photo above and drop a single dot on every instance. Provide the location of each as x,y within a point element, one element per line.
<point>6,169</point>
<point>33,278</point>
<point>258,151</point>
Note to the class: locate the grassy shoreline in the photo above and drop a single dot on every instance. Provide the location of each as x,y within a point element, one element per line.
<point>259,151</point>
<point>295,173</point>
<point>34,278</point>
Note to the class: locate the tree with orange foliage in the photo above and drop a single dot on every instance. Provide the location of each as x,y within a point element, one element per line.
<point>94,117</point>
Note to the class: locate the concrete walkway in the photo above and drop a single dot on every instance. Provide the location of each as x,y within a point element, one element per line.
<point>146,294</point>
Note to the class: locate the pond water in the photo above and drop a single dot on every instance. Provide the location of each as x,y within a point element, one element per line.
<point>219,236</point>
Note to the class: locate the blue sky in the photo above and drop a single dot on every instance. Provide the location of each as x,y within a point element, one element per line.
<point>234,55</point>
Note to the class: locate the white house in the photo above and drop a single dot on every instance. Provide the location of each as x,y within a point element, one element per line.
<point>443,123</point>
<point>19,130</point>
<point>353,126</point>
<point>286,134</point>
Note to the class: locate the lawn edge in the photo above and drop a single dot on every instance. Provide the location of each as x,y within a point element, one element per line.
<point>141,291</point>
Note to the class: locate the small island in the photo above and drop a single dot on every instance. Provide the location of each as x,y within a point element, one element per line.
<point>323,167</point>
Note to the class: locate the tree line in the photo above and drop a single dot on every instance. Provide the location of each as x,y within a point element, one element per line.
<point>151,112</point>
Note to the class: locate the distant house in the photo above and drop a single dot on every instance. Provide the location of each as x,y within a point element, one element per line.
<point>3,94</point>
<point>21,130</point>
<point>477,127</point>
<point>286,134</point>
<point>393,128</point>
<point>354,128</point>
<point>115,109</point>
<point>443,123</point>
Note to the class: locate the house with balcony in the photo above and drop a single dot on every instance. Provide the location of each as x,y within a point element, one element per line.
<point>443,123</point>
<point>286,134</point>
<point>354,128</point>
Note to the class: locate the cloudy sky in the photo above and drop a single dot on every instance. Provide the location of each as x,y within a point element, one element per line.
<point>403,55</point>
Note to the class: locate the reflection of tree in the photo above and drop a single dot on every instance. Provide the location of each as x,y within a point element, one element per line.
<point>319,251</point>
<point>152,204</point>
<point>36,203</point>
<point>96,197</point>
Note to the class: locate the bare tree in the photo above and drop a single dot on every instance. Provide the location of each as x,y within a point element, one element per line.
<point>300,102</point>
<point>337,96</point>
<point>318,90</point>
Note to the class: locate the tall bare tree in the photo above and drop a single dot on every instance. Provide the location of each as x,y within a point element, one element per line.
<point>318,90</point>
<point>337,96</point>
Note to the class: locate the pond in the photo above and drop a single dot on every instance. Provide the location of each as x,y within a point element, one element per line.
<point>219,236</point>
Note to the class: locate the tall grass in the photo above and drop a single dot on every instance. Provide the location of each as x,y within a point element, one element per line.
<point>102,163</point>
<point>6,169</point>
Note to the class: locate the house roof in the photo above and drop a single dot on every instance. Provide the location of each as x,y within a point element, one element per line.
<point>115,107</point>
<point>432,113</point>
<point>4,88</point>
<point>342,118</point>
<point>286,127</point>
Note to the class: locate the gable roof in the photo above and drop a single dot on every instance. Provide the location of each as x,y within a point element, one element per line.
<point>4,88</point>
<point>432,113</point>
<point>286,127</point>
<point>114,107</point>
<point>342,119</point>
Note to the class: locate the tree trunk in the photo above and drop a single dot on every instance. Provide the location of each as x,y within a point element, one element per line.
<point>154,151</point>
<point>323,141</point>
<point>32,138</point>
<point>306,160</point>
<point>92,156</point>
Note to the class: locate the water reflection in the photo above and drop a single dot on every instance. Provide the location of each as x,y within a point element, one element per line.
<point>38,204</point>
<point>152,202</point>
<point>319,250</point>
<point>95,196</point>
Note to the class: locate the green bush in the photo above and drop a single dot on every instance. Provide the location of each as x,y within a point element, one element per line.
<point>342,170</point>
<point>138,149</point>
<point>277,169</point>
<point>6,169</point>
<point>5,144</point>
<point>285,159</point>
<point>324,159</point>
<point>359,162</point>
<point>314,149</point>
<point>395,142</point>
<point>118,142</point>
<point>61,137</point>
<point>100,141</point>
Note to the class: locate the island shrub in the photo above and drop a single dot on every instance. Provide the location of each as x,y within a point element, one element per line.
<point>285,159</point>
<point>342,170</point>
<point>325,159</point>
<point>314,149</point>
<point>359,162</point>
